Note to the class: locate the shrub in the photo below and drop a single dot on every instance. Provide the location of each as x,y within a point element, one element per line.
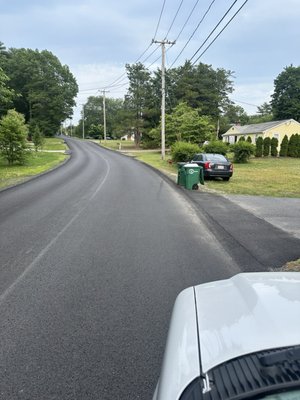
<point>37,138</point>
<point>183,151</point>
<point>292,147</point>
<point>249,140</point>
<point>259,147</point>
<point>284,147</point>
<point>267,146</point>
<point>274,144</point>
<point>216,147</point>
<point>242,139</point>
<point>242,151</point>
<point>13,133</point>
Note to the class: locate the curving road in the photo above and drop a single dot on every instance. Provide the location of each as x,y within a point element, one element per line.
<point>93,255</point>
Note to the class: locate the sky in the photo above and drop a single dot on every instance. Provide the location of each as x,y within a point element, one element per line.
<point>96,39</point>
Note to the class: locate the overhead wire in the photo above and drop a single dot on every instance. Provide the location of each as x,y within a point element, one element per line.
<point>229,9</point>
<point>159,19</point>
<point>175,16</point>
<point>216,37</point>
<point>195,30</point>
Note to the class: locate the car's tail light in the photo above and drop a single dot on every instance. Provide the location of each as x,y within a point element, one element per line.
<point>207,165</point>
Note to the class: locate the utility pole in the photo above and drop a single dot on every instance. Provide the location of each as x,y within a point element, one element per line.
<point>82,121</point>
<point>104,113</point>
<point>163,94</point>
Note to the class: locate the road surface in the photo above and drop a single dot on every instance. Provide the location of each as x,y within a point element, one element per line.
<point>93,255</point>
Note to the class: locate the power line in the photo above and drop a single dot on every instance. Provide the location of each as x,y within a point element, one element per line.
<point>172,23</point>
<point>161,12</point>
<point>197,27</point>
<point>234,15</point>
<point>187,20</point>
<point>213,30</point>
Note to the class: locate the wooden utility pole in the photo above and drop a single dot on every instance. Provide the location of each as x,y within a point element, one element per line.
<point>163,94</point>
<point>104,113</point>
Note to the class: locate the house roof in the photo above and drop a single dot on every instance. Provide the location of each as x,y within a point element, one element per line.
<point>256,128</point>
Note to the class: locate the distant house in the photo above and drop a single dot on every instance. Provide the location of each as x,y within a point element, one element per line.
<point>128,137</point>
<point>277,129</point>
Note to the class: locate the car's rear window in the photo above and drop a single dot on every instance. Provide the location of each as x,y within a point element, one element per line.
<point>215,157</point>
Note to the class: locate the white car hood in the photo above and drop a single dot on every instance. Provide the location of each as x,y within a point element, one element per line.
<point>247,313</point>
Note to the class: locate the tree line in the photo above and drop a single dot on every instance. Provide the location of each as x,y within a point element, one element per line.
<point>198,107</point>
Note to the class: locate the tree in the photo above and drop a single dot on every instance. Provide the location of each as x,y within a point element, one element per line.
<point>286,98</point>
<point>284,147</point>
<point>249,140</point>
<point>266,146</point>
<point>274,145</point>
<point>136,98</point>
<point>186,124</point>
<point>37,138</point>
<point>293,146</point>
<point>6,94</point>
<point>13,133</point>
<point>259,147</point>
<point>45,88</point>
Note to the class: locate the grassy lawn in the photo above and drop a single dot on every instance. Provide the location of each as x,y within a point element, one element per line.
<point>115,144</point>
<point>276,177</point>
<point>35,164</point>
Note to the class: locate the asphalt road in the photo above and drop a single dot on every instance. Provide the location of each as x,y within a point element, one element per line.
<point>93,255</point>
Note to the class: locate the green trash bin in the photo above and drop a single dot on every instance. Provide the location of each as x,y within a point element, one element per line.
<point>194,176</point>
<point>181,176</point>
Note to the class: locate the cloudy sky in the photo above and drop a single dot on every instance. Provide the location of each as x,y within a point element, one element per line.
<point>96,38</point>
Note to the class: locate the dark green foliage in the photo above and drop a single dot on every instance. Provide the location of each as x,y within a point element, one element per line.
<point>284,147</point>
<point>298,145</point>
<point>216,147</point>
<point>242,139</point>
<point>13,133</point>
<point>286,97</point>
<point>242,151</point>
<point>249,140</point>
<point>293,146</point>
<point>266,146</point>
<point>183,151</point>
<point>274,144</point>
<point>37,138</point>
<point>259,147</point>
<point>45,90</point>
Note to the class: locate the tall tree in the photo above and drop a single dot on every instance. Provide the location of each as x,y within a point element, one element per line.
<point>46,89</point>
<point>136,98</point>
<point>286,97</point>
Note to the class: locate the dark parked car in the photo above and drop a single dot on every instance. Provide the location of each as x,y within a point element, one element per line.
<point>214,165</point>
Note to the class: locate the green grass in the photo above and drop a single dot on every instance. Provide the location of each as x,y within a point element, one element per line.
<point>276,177</point>
<point>54,144</point>
<point>36,164</point>
<point>114,144</point>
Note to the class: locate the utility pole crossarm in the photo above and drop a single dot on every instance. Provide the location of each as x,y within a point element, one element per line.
<point>163,93</point>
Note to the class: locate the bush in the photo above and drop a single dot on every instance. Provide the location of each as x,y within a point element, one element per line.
<point>274,144</point>
<point>284,147</point>
<point>259,147</point>
<point>242,151</point>
<point>249,140</point>
<point>293,146</point>
<point>267,146</point>
<point>216,147</point>
<point>242,139</point>
<point>183,151</point>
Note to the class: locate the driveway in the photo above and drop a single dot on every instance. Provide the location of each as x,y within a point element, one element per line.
<point>284,213</point>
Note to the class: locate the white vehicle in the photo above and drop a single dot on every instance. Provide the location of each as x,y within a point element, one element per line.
<point>234,339</point>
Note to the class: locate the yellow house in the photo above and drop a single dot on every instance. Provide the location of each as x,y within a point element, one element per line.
<point>276,129</point>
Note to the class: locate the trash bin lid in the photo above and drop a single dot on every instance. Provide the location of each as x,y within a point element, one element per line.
<point>191,165</point>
